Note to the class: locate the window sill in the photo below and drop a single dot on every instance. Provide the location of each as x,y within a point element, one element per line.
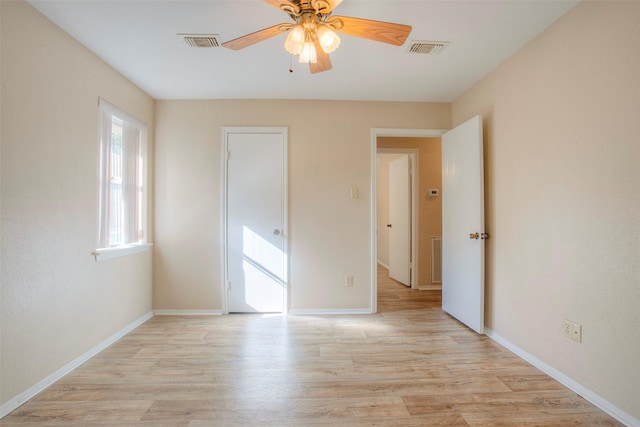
<point>108,253</point>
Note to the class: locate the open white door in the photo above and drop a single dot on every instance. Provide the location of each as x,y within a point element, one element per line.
<point>463,231</point>
<point>400,220</point>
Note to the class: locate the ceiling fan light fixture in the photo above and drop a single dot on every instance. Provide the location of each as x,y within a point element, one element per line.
<point>308,54</point>
<point>313,31</point>
<point>329,40</point>
<point>294,43</point>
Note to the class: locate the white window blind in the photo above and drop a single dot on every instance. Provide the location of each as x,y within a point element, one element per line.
<point>123,143</point>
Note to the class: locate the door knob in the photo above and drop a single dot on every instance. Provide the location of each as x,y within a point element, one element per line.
<point>276,232</point>
<point>388,225</point>
<point>483,236</point>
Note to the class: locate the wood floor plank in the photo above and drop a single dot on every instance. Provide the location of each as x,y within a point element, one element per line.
<point>497,367</point>
<point>502,402</point>
<point>269,411</point>
<point>409,365</point>
<point>539,418</point>
<point>530,382</point>
<point>432,420</point>
<point>82,412</point>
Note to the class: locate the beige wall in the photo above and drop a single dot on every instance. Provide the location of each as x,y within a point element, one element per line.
<point>329,233</point>
<point>429,209</point>
<point>562,152</point>
<point>56,301</point>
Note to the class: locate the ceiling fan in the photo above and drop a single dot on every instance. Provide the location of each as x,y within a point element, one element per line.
<point>313,36</point>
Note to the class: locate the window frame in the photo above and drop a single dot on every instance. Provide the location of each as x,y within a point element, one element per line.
<point>108,251</point>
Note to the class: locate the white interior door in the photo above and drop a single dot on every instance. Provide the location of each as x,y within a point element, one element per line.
<point>463,224</point>
<point>256,262</point>
<point>400,220</point>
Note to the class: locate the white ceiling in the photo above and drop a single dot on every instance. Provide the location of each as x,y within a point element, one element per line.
<point>139,39</point>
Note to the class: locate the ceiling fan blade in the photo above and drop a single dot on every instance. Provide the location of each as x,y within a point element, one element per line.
<point>334,3</point>
<point>253,38</point>
<point>323,62</point>
<point>385,32</point>
<point>324,6</point>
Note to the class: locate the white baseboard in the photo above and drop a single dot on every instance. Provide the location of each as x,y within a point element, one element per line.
<point>383,264</point>
<point>326,311</point>
<point>430,288</point>
<point>592,397</point>
<point>187,312</point>
<point>29,393</point>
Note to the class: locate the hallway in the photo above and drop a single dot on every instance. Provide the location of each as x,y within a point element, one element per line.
<point>394,296</point>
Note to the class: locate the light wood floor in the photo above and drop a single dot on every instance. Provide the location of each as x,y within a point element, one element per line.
<point>394,296</point>
<point>402,367</point>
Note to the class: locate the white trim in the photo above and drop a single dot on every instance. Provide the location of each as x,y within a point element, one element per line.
<point>170,312</point>
<point>329,311</point>
<point>115,111</point>
<point>617,413</point>
<point>49,380</point>
<point>281,130</point>
<point>373,152</point>
<point>224,157</point>
<point>408,133</point>
<point>430,288</point>
<point>383,264</point>
<point>118,251</point>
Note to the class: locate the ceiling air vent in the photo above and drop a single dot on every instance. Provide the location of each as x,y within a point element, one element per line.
<point>201,40</point>
<point>426,48</point>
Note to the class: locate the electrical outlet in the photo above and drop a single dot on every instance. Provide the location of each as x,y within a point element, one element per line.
<point>355,193</point>
<point>576,332</point>
<point>572,330</point>
<point>566,328</point>
<point>348,281</point>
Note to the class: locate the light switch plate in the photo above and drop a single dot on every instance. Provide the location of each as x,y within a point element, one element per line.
<point>355,193</point>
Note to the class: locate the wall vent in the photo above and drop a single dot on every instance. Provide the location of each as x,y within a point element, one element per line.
<point>201,40</point>
<point>436,260</point>
<point>426,47</point>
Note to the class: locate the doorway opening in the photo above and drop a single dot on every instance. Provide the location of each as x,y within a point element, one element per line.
<point>397,228</point>
<point>399,141</point>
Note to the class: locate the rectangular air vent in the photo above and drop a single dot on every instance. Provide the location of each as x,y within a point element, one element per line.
<point>426,48</point>
<point>201,40</point>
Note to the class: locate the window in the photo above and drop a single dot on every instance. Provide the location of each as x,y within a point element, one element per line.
<point>123,146</point>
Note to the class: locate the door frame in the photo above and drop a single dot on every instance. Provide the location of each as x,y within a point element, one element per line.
<point>373,151</point>
<point>223,204</point>
<point>413,154</point>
